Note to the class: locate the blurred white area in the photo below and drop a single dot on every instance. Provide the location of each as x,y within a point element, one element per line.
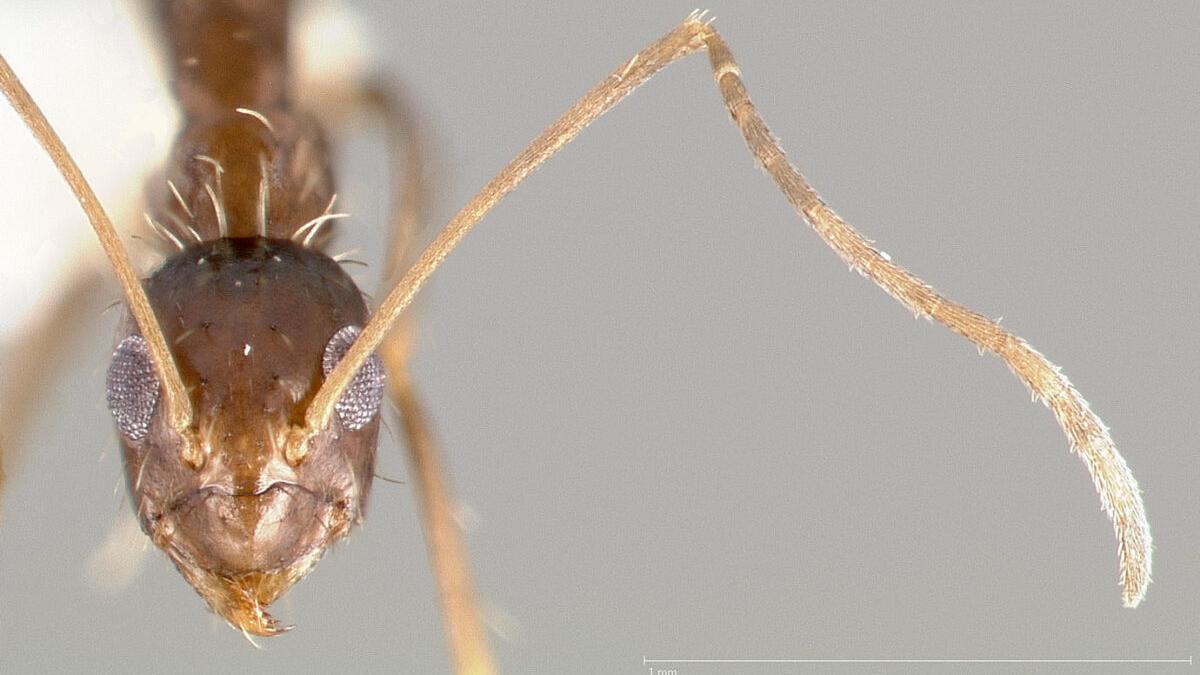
<point>113,565</point>
<point>98,84</point>
<point>331,45</point>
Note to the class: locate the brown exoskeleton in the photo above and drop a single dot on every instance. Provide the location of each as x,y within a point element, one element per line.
<point>299,441</point>
<point>256,316</point>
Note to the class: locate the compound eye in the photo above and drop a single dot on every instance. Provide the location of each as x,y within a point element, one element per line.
<point>131,387</point>
<point>360,402</point>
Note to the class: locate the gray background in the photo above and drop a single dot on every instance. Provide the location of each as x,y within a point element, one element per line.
<point>683,428</point>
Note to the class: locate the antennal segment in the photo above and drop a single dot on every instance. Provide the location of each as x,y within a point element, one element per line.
<point>178,405</point>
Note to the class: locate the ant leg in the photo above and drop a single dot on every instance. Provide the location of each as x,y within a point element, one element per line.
<point>36,356</point>
<point>448,552</point>
<point>412,195</point>
<point>443,534</point>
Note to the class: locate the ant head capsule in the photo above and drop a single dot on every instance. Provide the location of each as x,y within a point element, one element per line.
<point>254,331</point>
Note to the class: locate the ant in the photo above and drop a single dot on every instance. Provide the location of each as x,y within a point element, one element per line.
<point>630,75</point>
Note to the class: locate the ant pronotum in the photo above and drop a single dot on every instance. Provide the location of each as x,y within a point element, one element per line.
<point>731,232</point>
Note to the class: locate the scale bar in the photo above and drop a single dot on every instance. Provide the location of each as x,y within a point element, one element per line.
<point>648,661</point>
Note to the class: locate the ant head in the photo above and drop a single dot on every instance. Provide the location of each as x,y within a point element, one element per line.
<point>255,325</point>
